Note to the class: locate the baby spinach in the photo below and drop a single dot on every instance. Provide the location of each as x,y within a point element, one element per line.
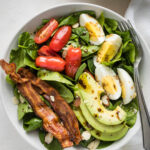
<point>131,110</point>
<point>110,25</point>
<point>31,124</point>
<point>54,145</point>
<point>9,81</point>
<point>104,144</point>
<point>74,18</point>
<point>80,71</point>
<point>26,52</point>
<point>82,33</point>
<point>52,76</point>
<point>63,91</point>
<point>88,50</point>
<point>23,108</point>
<point>91,65</point>
<point>101,19</point>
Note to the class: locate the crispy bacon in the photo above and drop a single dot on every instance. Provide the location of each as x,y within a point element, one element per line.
<point>50,120</point>
<point>60,106</point>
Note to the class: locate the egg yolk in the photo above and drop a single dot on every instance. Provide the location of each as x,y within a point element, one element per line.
<point>109,84</point>
<point>94,30</point>
<point>123,91</point>
<point>106,52</point>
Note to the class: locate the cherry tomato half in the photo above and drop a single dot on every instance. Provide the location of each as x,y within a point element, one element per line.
<point>45,32</point>
<point>60,38</point>
<point>45,51</point>
<point>50,63</point>
<point>73,61</point>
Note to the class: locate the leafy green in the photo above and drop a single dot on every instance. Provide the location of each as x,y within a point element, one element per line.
<point>88,50</point>
<point>31,124</point>
<point>110,25</point>
<point>104,144</point>
<point>74,18</point>
<point>131,110</point>
<point>23,108</point>
<point>125,35</point>
<point>91,65</point>
<point>63,91</point>
<point>9,81</point>
<point>16,93</point>
<point>26,52</point>
<point>80,71</point>
<point>52,76</point>
<point>82,33</point>
<point>116,59</point>
<point>101,19</point>
<point>54,145</point>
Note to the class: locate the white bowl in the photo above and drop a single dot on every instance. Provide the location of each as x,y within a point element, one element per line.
<point>6,91</point>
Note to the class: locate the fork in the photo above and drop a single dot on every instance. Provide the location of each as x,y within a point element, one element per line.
<point>144,115</point>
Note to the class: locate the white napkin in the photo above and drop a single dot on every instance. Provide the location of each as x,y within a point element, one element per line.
<point>138,13</point>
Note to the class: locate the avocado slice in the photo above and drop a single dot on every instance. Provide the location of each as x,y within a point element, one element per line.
<point>93,122</point>
<point>100,135</point>
<point>90,91</point>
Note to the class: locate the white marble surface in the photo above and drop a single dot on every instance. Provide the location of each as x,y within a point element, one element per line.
<point>15,13</point>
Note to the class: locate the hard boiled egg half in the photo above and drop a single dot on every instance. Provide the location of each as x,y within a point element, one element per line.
<point>108,79</point>
<point>95,30</point>
<point>109,48</point>
<point>127,84</point>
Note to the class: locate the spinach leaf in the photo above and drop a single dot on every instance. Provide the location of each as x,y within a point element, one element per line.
<point>91,65</point>
<point>110,25</point>
<point>9,81</point>
<point>131,110</point>
<point>54,145</point>
<point>52,76</point>
<point>63,91</point>
<point>87,57</point>
<point>82,33</point>
<point>26,52</point>
<point>80,71</point>
<point>23,108</point>
<point>74,18</point>
<point>101,19</point>
<point>88,50</point>
<point>116,59</point>
<point>125,35</point>
<point>16,93</point>
<point>31,124</point>
<point>104,144</point>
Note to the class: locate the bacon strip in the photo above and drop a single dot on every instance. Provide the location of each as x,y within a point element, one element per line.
<point>60,106</point>
<point>50,120</point>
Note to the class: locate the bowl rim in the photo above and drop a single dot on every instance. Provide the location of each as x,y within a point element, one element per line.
<point>42,12</point>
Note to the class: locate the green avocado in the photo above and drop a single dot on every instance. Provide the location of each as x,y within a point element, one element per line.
<point>94,123</point>
<point>91,91</point>
<point>97,134</point>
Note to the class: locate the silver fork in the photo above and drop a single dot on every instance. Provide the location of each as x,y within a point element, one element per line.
<point>144,115</point>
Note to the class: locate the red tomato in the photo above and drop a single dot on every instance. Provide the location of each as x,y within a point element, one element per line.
<point>60,38</point>
<point>50,63</point>
<point>45,51</point>
<point>73,61</point>
<point>45,32</point>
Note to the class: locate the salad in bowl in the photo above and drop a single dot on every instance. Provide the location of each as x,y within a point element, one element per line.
<point>73,81</point>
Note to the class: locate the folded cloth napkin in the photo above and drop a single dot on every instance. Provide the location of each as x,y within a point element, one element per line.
<point>138,13</point>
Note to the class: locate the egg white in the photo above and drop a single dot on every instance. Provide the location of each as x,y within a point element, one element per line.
<point>127,84</point>
<point>84,19</point>
<point>102,72</point>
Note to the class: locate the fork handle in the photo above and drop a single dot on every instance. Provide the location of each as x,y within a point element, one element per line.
<point>145,119</point>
